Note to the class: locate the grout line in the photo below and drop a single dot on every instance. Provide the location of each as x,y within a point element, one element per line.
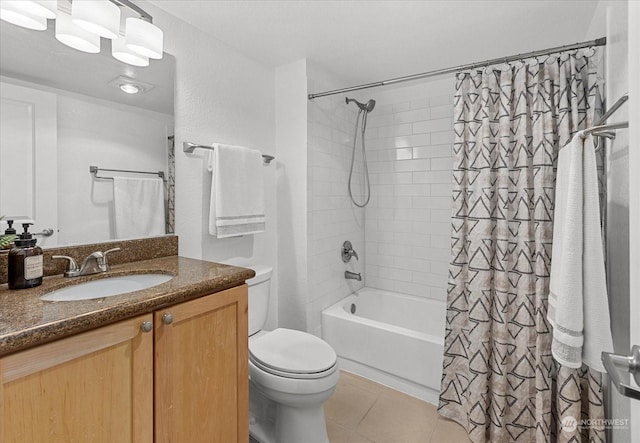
<point>368,410</point>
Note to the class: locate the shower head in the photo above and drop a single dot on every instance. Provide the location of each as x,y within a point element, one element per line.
<point>367,107</point>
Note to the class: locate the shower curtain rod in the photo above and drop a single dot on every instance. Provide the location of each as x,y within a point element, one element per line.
<point>597,42</point>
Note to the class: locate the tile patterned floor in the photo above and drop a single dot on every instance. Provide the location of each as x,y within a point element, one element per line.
<point>362,411</point>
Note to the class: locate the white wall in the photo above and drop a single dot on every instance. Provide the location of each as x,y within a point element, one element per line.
<point>291,138</point>
<point>610,20</point>
<point>634,183</point>
<point>408,223</point>
<point>220,96</point>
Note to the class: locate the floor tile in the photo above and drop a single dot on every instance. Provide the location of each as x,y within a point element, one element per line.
<point>398,418</point>
<point>448,431</point>
<point>349,403</point>
<point>341,434</point>
<point>362,411</point>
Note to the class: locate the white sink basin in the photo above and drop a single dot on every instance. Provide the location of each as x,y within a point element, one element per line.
<point>106,287</point>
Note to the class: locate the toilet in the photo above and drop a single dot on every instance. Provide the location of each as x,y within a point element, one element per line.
<point>292,374</point>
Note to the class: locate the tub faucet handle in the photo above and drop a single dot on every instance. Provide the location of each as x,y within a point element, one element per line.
<point>348,252</point>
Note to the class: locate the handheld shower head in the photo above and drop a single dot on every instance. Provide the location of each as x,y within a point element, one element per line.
<point>370,105</point>
<point>367,107</point>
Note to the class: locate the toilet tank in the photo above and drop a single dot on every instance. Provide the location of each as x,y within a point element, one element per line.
<point>259,291</point>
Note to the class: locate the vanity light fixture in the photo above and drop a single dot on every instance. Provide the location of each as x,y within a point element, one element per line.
<point>74,36</point>
<point>16,13</point>
<point>99,17</point>
<point>121,52</point>
<point>81,23</point>
<point>144,37</point>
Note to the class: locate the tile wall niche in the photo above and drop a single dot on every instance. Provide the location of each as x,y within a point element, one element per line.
<point>407,228</point>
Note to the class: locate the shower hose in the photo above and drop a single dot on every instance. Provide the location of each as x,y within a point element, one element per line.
<point>364,158</point>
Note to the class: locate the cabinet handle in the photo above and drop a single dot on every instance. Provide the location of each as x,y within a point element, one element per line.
<point>146,326</point>
<point>167,318</point>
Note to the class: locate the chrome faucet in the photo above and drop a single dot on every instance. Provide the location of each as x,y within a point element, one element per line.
<point>352,276</point>
<point>348,252</point>
<point>94,263</point>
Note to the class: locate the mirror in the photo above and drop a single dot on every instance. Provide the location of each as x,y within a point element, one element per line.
<point>62,112</point>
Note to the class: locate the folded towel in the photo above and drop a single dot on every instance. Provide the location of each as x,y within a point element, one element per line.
<point>138,207</point>
<point>237,195</point>
<point>578,301</point>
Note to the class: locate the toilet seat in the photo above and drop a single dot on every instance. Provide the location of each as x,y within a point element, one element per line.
<point>293,354</point>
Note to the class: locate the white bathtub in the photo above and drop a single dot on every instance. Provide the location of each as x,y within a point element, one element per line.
<point>392,338</point>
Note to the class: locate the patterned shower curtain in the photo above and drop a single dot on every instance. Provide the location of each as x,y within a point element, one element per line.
<point>499,378</point>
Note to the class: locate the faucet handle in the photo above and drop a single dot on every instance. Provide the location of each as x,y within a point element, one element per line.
<point>73,269</point>
<point>348,252</point>
<point>105,253</point>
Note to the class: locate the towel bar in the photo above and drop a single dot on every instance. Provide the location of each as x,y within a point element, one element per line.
<point>94,170</point>
<point>188,147</point>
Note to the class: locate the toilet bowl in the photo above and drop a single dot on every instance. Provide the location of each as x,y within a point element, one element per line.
<point>292,373</point>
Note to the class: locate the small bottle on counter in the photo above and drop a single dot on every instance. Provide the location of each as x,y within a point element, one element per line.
<point>25,262</point>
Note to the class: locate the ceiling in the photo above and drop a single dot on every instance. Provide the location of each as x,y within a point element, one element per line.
<point>366,41</point>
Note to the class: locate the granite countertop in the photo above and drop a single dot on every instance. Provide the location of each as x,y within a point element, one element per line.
<point>27,321</point>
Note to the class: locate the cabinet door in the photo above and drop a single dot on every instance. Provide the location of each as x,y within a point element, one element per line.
<point>92,387</point>
<point>201,384</point>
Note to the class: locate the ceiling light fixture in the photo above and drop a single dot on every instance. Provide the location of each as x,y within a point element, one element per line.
<point>130,85</point>
<point>81,24</point>
<point>129,88</point>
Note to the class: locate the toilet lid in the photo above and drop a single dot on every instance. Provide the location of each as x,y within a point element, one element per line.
<point>292,352</point>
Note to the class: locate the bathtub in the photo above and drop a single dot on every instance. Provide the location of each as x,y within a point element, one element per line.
<point>394,339</point>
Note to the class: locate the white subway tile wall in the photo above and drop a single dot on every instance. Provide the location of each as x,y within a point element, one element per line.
<point>332,217</point>
<point>407,223</point>
<point>402,236</point>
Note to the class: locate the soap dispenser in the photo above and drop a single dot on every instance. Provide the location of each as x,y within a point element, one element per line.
<point>10,229</point>
<point>25,262</point>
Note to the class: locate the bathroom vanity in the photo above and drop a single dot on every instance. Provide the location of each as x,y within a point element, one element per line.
<point>168,363</point>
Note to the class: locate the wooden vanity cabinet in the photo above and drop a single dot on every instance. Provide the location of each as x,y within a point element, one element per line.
<point>105,385</point>
<point>201,364</point>
<point>92,387</point>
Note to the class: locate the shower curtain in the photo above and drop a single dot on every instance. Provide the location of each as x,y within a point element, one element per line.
<point>499,378</point>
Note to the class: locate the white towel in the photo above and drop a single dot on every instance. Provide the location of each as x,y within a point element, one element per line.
<point>237,195</point>
<point>578,301</point>
<point>138,207</point>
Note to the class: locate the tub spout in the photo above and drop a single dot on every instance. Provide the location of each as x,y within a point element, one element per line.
<point>352,276</point>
